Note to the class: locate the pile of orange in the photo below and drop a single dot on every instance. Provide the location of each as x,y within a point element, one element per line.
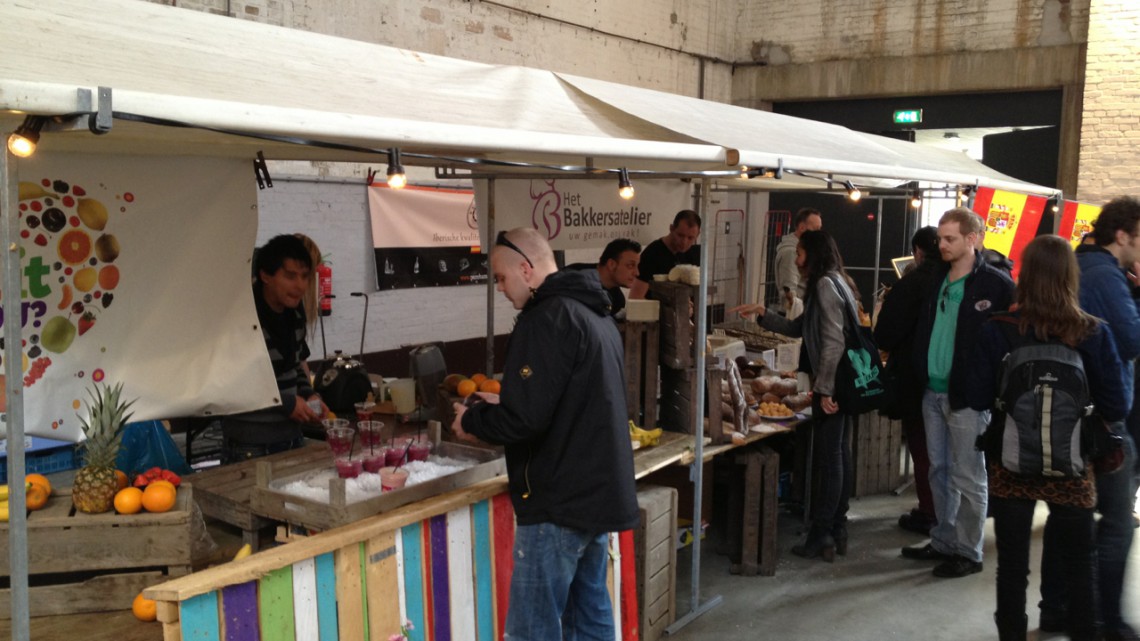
<point>464,386</point>
<point>158,496</point>
<point>144,609</point>
<point>38,491</point>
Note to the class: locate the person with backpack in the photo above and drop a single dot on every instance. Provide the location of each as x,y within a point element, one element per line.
<point>1106,293</point>
<point>1036,367</point>
<point>822,325</point>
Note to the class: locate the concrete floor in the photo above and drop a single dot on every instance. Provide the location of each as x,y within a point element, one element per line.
<point>870,595</point>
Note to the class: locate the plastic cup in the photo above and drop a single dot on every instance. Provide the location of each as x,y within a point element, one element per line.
<point>395,454</point>
<point>371,435</point>
<point>340,441</point>
<point>373,462</point>
<point>392,478</point>
<point>330,423</point>
<point>347,468</point>
<point>420,449</point>
<point>364,410</point>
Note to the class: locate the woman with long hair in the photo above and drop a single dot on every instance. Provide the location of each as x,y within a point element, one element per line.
<point>821,326</point>
<point>1047,310</point>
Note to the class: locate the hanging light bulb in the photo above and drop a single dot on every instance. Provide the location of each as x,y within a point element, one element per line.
<point>397,179</point>
<point>916,200</point>
<point>625,187</point>
<point>744,172</point>
<point>852,191</point>
<point>22,142</point>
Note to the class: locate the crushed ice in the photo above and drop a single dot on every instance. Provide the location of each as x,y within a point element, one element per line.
<point>314,485</point>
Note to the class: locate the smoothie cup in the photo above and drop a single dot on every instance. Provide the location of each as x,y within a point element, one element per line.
<point>395,454</point>
<point>374,461</point>
<point>330,423</point>
<point>340,441</point>
<point>393,478</point>
<point>419,449</point>
<point>347,468</point>
<point>364,410</point>
<point>371,435</point>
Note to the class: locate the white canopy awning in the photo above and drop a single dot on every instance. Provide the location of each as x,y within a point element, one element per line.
<point>218,73</point>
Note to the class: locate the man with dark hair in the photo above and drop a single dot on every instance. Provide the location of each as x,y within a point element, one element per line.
<point>1108,272</point>
<point>965,291</point>
<point>617,268</point>
<point>678,247</point>
<point>895,332</point>
<point>787,275</point>
<point>283,267</point>
<point>562,419</point>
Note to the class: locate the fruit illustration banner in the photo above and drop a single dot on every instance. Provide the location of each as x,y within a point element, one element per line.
<point>1011,221</point>
<point>585,214</point>
<point>136,270</point>
<point>1077,220</point>
<point>425,237</point>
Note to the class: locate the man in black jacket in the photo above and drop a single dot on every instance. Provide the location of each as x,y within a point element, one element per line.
<point>562,417</point>
<point>966,291</point>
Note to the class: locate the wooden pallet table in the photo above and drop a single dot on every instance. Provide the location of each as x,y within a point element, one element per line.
<point>98,562</point>
<point>223,492</point>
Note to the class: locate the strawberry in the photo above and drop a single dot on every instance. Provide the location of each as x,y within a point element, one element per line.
<point>153,474</point>
<point>140,481</point>
<point>174,479</point>
<point>86,322</point>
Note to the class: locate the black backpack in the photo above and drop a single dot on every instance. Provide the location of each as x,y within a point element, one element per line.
<point>1042,401</point>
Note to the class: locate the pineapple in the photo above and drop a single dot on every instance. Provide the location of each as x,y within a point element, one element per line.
<point>95,484</point>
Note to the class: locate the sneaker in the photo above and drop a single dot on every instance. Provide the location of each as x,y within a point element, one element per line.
<point>925,553</point>
<point>956,567</point>
<point>915,521</point>
<point>1052,620</point>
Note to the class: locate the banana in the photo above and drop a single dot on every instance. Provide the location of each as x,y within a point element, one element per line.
<point>643,436</point>
<point>4,492</point>
<point>245,551</point>
<point>4,512</point>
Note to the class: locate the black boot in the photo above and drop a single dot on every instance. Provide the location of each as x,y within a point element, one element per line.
<point>817,544</point>
<point>1011,627</point>
<point>839,534</point>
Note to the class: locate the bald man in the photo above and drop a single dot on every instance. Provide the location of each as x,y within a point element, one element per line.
<point>562,417</point>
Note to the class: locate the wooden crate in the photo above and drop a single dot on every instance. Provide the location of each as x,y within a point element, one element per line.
<point>752,512</point>
<point>98,562</point>
<point>642,374</point>
<point>677,327</point>
<point>876,453</point>
<point>223,492</point>
<point>656,559</point>
<point>678,396</point>
<point>269,501</point>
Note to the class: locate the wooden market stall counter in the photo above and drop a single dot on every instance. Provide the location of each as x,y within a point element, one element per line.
<point>443,563</point>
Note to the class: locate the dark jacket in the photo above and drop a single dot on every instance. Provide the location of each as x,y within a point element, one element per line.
<point>1098,353</point>
<point>562,413</point>
<point>988,290</point>
<point>1105,294</point>
<point>895,331</point>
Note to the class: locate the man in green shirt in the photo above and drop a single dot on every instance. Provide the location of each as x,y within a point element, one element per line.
<point>969,290</point>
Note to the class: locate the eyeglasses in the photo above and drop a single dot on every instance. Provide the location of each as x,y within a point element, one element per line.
<point>502,240</point>
<point>945,297</point>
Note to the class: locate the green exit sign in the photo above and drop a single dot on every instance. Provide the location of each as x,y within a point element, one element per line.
<point>908,116</point>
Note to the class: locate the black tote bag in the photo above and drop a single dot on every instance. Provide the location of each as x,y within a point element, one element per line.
<point>860,381</point>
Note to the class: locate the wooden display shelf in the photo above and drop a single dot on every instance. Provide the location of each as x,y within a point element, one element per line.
<point>98,562</point>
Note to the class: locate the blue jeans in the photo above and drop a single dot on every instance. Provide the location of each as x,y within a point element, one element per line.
<point>558,588</point>
<point>1114,533</point>
<point>958,481</point>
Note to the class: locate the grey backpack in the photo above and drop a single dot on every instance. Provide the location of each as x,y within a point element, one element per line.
<point>1043,399</point>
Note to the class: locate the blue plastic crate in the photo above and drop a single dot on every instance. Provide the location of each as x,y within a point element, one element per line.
<point>46,461</point>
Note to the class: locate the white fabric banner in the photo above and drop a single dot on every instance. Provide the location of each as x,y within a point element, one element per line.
<point>137,270</point>
<point>422,217</point>
<point>584,214</point>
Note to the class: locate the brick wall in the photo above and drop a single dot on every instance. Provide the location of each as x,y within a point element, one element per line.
<point>1110,130</point>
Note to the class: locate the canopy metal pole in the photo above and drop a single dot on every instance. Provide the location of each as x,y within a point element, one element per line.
<point>696,470</point>
<point>13,393</point>
<point>490,243</point>
<point>870,308</point>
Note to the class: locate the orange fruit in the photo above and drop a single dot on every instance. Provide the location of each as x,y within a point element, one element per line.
<point>451,382</point>
<point>490,386</point>
<point>163,482</point>
<point>109,277</point>
<point>121,479</point>
<point>75,247</point>
<point>479,378</point>
<point>145,609</point>
<point>467,388</point>
<point>41,480</point>
<point>129,500</point>
<point>158,497</point>
<point>37,497</point>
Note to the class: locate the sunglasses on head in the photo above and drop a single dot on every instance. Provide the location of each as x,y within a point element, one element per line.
<point>503,241</point>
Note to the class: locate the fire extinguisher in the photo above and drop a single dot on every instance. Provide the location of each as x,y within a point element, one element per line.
<point>324,286</point>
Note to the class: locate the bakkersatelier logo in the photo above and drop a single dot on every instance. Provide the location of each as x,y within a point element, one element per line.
<point>547,202</point>
<point>472,216</point>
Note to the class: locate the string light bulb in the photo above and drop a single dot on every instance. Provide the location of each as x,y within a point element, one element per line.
<point>852,191</point>
<point>625,187</point>
<point>22,142</point>
<point>397,179</point>
<point>745,173</point>
<point>916,200</point>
